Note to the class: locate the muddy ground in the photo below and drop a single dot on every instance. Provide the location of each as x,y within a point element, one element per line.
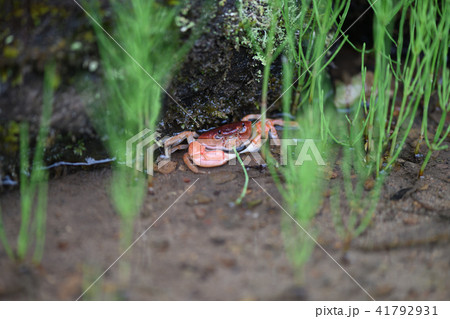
<point>204,249</point>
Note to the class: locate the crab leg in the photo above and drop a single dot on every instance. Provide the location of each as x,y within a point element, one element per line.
<point>256,142</point>
<point>270,131</point>
<point>251,117</point>
<point>179,147</point>
<point>205,158</point>
<point>172,144</point>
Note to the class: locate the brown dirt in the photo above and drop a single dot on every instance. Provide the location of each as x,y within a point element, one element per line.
<point>205,249</point>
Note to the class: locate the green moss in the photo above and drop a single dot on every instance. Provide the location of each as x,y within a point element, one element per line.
<point>248,27</point>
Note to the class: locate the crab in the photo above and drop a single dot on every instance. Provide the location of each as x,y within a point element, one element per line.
<point>216,146</point>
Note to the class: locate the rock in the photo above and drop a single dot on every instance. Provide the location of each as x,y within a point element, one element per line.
<point>254,203</point>
<point>198,199</point>
<point>200,212</point>
<point>383,290</point>
<point>166,166</point>
<point>348,93</point>
<point>63,245</point>
<point>161,245</point>
<point>228,262</point>
<point>411,220</point>
<point>218,241</point>
<point>218,80</point>
<point>222,177</point>
<point>401,193</point>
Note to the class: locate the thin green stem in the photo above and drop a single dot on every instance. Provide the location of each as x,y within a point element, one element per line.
<point>244,189</point>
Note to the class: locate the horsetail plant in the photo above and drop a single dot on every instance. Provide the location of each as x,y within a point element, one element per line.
<point>440,80</point>
<point>308,28</point>
<point>303,183</point>
<point>33,183</point>
<point>401,84</point>
<point>418,74</point>
<point>138,59</point>
<point>311,29</point>
<point>135,75</point>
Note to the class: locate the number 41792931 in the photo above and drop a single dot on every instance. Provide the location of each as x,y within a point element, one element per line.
<point>407,310</point>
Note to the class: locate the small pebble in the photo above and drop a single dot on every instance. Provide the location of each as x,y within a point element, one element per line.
<point>199,198</point>
<point>218,241</point>
<point>411,220</point>
<point>63,245</point>
<point>161,245</point>
<point>166,166</point>
<point>254,203</point>
<point>222,177</point>
<point>383,290</point>
<point>200,212</point>
<point>228,262</point>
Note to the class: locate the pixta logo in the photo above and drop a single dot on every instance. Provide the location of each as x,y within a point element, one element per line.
<point>146,144</point>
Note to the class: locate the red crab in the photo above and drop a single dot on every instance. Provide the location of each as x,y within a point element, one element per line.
<point>215,147</point>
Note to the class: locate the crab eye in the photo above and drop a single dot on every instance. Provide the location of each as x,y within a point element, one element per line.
<point>244,128</point>
<point>218,136</point>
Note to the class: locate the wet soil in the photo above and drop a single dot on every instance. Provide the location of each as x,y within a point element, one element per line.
<point>201,247</point>
<point>204,248</point>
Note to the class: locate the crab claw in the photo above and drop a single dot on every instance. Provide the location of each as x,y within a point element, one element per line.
<point>172,144</point>
<point>205,158</point>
